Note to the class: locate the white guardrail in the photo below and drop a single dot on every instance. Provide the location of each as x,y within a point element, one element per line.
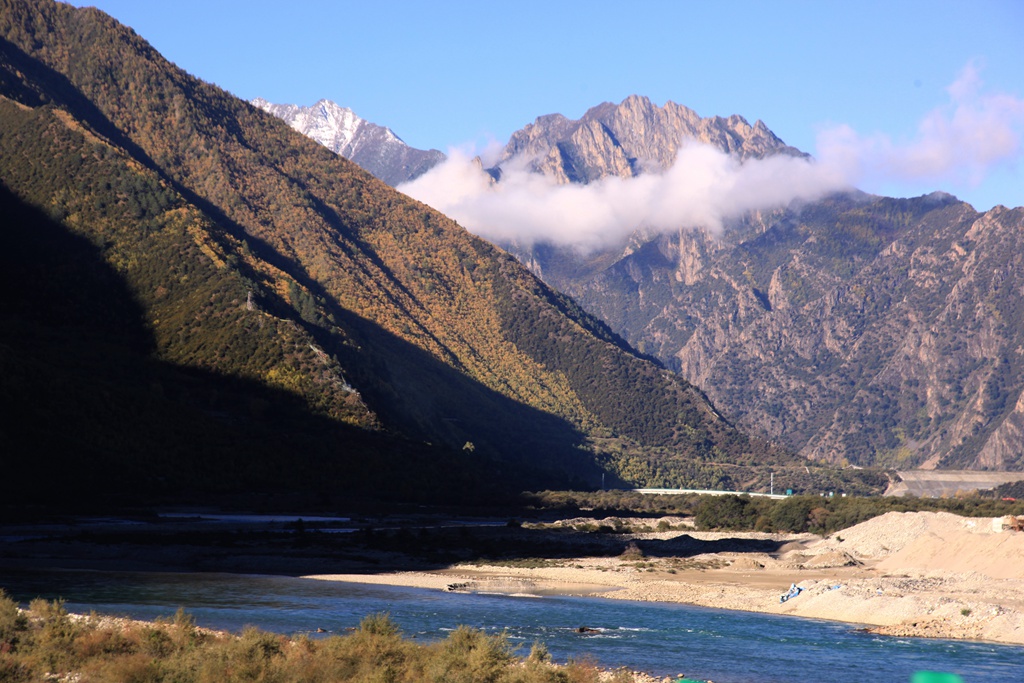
<point>708,492</point>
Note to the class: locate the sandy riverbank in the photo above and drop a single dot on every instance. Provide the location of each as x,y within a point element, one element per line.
<point>908,574</point>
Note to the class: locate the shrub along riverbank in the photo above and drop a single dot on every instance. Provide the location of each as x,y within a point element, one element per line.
<point>795,514</point>
<point>47,643</point>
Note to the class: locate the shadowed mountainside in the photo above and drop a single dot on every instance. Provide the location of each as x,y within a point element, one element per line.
<point>254,255</point>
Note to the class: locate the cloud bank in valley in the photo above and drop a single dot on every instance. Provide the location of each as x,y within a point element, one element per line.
<point>959,142</point>
<point>704,187</point>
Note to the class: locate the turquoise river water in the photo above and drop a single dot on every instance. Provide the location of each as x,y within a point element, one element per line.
<point>661,639</point>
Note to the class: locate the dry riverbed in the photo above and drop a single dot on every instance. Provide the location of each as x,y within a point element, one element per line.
<point>907,574</point>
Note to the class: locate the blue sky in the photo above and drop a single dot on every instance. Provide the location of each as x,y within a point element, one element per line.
<point>460,74</point>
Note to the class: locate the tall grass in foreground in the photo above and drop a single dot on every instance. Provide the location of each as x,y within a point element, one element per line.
<point>47,643</point>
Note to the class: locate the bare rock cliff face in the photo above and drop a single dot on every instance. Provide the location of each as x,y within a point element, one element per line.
<point>858,329</point>
<point>630,138</point>
<point>1003,448</point>
<point>861,330</point>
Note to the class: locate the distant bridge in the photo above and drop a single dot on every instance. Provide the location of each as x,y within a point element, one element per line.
<point>708,492</point>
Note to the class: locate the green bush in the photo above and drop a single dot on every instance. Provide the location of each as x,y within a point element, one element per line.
<point>13,623</point>
<point>470,656</point>
<point>727,512</point>
<point>379,624</point>
<point>55,639</point>
<point>790,515</point>
<point>50,643</point>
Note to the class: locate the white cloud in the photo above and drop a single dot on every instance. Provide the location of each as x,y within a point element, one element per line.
<point>957,145</point>
<point>704,187</point>
<point>960,142</point>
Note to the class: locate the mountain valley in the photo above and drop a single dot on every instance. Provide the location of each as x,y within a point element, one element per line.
<point>262,317</point>
<point>909,307</point>
<point>252,314</point>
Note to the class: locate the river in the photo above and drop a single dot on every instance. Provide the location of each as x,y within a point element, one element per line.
<point>661,639</point>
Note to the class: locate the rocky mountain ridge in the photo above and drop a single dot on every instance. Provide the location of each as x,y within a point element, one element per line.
<point>862,330</point>
<point>631,138</point>
<point>375,148</point>
<point>829,326</point>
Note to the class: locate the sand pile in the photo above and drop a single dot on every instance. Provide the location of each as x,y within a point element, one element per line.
<point>831,558</point>
<point>881,536</point>
<point>892,532</point>
<point>923,542</point>
<point>922,574</point>
<point>994,555</point>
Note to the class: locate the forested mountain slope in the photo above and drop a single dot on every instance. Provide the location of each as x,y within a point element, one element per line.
<point>297,307</point>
